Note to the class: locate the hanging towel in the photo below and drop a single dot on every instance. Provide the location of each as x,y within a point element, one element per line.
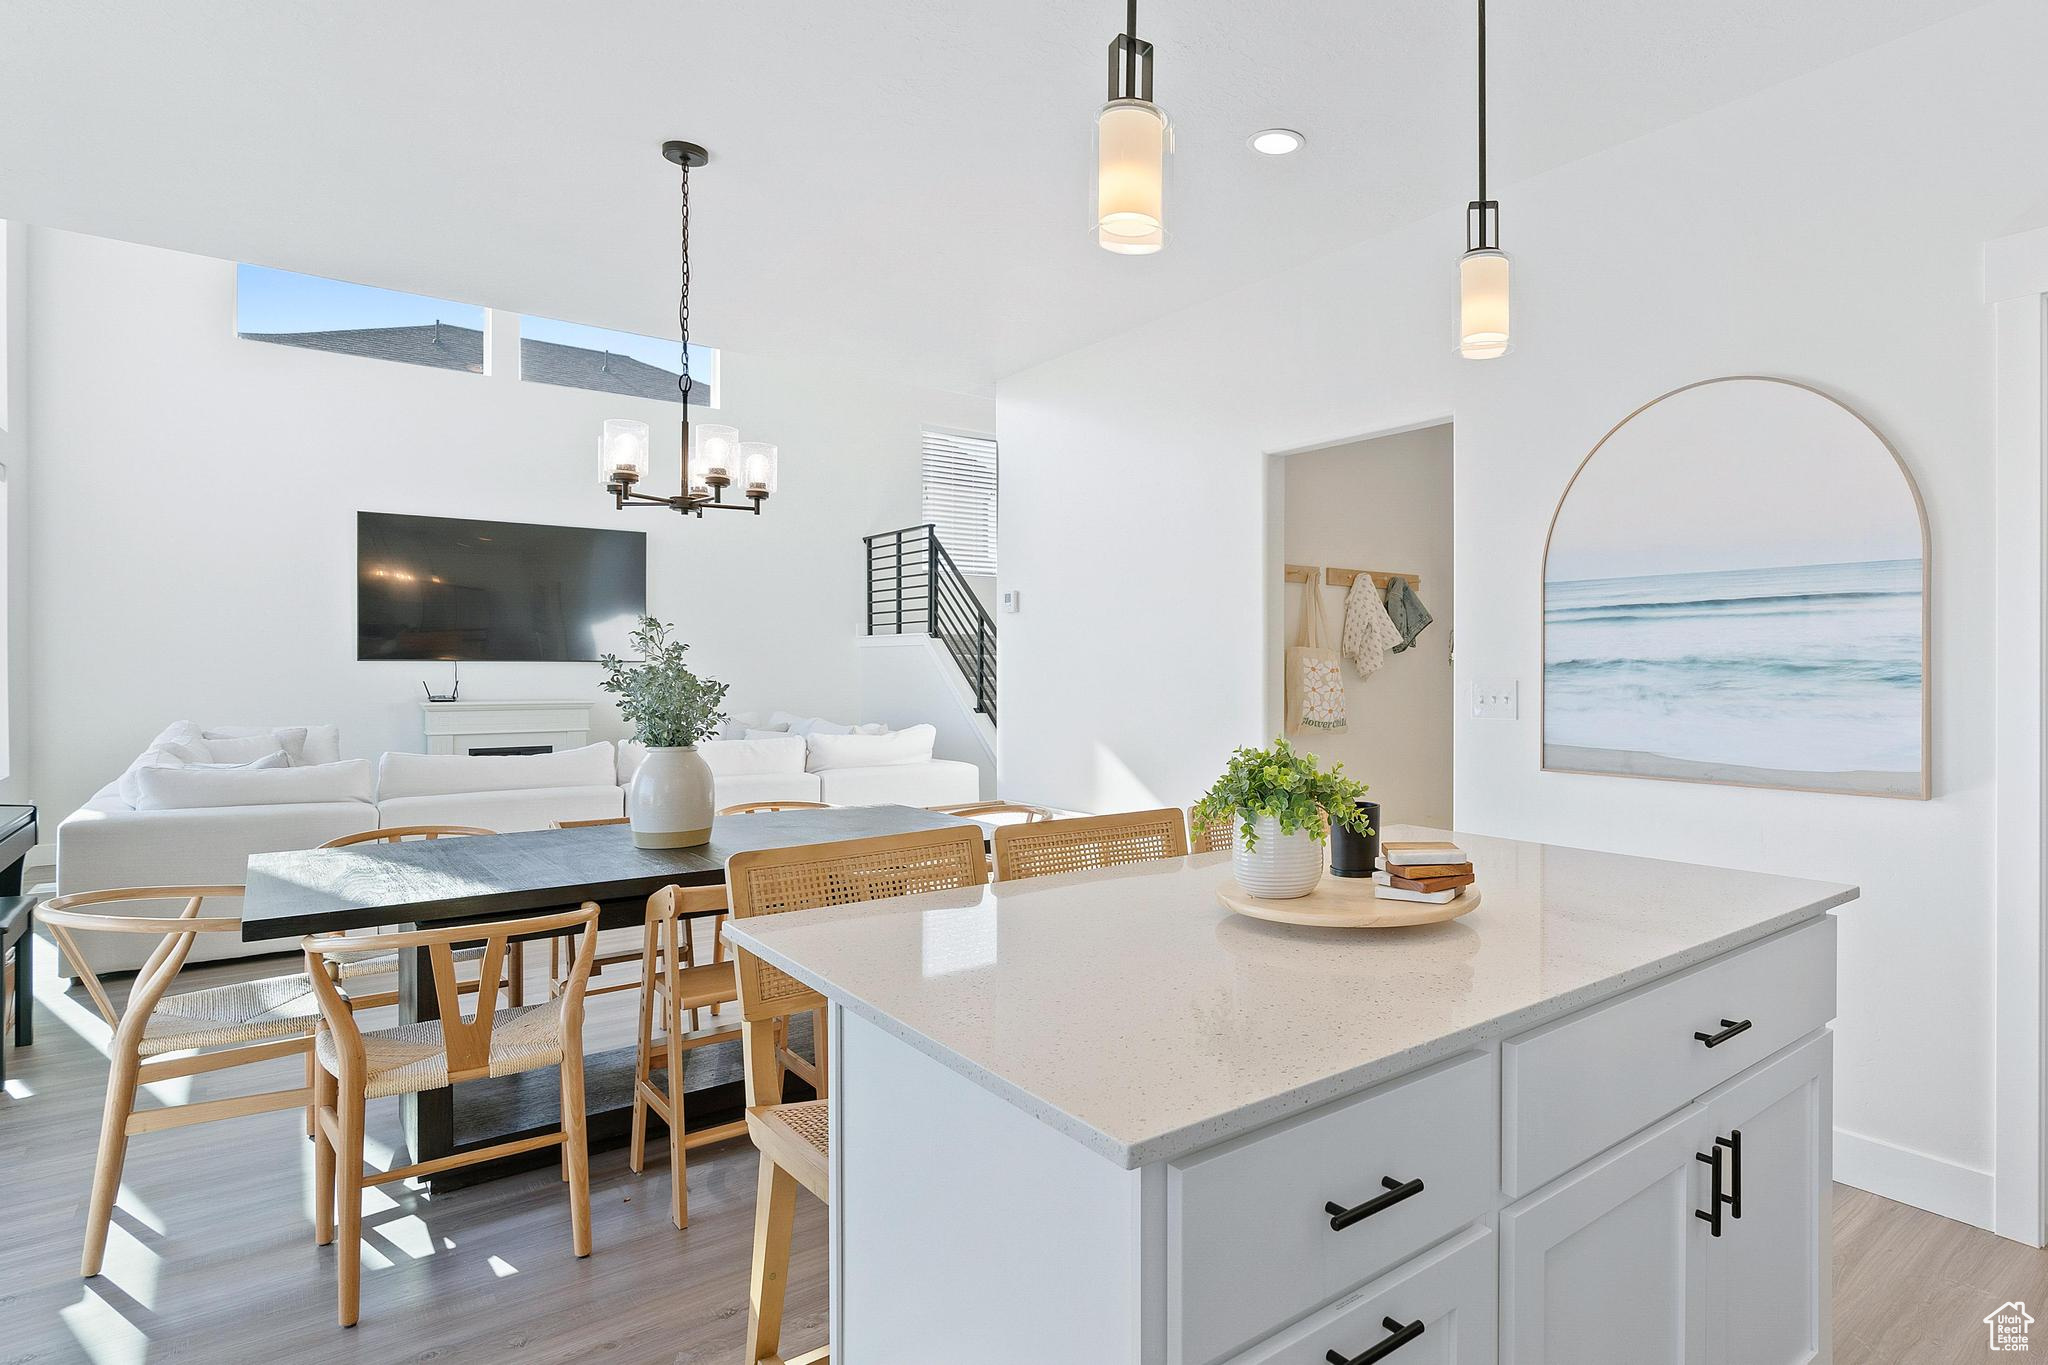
<point>1315,678</point>
<point>1368,632</point>
<point>1406,611</point>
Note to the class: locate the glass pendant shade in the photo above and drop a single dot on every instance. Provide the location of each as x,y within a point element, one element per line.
<point>1483,304</point>
<point>758,467</point>
<point>714,454</point>
<point>1130,177</point>
<point>624,450</point>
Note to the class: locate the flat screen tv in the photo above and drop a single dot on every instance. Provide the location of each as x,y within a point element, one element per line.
<point>444,588</point>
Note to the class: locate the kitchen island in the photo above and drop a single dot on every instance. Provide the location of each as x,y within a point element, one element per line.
<point>1098,1118</point>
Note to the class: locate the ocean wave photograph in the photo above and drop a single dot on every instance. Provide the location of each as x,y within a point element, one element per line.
<point>1697,629</point>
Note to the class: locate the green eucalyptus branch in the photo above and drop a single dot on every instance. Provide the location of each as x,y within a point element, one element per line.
<point>1287,785</point>
<point>668,706</point>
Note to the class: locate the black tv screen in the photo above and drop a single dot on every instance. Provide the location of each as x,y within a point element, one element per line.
<point>445,588</point>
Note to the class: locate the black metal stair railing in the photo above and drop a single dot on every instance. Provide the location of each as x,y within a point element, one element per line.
<point>915,588</point>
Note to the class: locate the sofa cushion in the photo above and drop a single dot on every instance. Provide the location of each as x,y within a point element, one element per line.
<point>197,786</point>
<point>769,753</point>
<point>402,775</point>
<point>825,752</point>
<point>941,782</point>
<point>179,743</point>
<point>305,745</point>
<point>505,811</point>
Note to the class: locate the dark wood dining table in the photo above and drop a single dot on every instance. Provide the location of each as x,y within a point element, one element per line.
<point>315,891</point>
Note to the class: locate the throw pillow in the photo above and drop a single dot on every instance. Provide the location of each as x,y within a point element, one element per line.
<point>912,745</point>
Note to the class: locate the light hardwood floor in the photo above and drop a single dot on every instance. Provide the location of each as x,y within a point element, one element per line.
<point>212,1260</point>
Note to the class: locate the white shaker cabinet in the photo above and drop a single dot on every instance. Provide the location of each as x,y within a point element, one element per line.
<point>1602,1267</point>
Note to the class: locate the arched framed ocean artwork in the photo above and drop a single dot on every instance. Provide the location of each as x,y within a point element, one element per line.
<point>1735,590</point>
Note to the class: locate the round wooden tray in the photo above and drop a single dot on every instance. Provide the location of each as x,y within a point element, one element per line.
<point>1346,903</point>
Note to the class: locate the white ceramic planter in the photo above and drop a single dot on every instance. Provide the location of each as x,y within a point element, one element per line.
<point>1282,867</point>
<point>669,802</point>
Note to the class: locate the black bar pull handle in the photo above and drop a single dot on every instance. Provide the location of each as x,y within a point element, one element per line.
<point>1381,1350</point>
<point>1397,1190</point>
<point>1729,1028</point>
<point>1733,1142</point>
<point>1711,1215</point>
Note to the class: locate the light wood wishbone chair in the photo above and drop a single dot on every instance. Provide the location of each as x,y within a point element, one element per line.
<point>1039,850</point>
<point>354,966</point>
<point>993,810</point>
<point>221,1026</point>
<point>751,807</point>
<point>355,1067</point>
<point>794,1139</point>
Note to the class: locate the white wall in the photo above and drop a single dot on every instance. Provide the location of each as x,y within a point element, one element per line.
<point>16,784</point>
<point>194,540</point>
<point>1827,230</point>
<point>912,679</point>
<point>1383,504</point>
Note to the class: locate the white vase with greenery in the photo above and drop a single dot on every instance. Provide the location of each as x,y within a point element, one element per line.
<point>1279,803</point>
<point>669,801</point>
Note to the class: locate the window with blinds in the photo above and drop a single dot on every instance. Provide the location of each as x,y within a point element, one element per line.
<point>960,497</point>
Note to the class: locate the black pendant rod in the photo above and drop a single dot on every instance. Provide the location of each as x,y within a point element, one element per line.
<point>1131,48</point>
<point>1482,98</point>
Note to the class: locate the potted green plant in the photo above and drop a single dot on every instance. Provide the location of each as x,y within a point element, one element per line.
<point>1276,800</point>
<point>670,708</point>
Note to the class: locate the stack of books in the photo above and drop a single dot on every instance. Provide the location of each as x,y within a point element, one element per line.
<point>1433,873</point>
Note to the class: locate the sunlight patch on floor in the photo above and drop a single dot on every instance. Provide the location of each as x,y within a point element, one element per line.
<point>103,1334</point>
<point>501,1267</point>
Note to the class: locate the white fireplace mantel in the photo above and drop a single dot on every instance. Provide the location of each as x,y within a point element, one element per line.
<point>462,727</point>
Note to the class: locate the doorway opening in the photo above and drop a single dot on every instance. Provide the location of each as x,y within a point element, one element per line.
<point>1382,504</point>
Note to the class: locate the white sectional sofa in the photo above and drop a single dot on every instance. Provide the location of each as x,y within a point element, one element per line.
<point>197,803</point>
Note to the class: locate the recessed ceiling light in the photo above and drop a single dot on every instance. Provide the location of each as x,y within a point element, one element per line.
<point>1276,141</point>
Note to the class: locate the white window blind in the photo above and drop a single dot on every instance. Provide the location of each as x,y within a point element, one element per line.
<point>960,497</point>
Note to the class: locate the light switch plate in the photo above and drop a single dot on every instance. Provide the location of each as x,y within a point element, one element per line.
<point>1496,699</point>
<point>1009,598</point>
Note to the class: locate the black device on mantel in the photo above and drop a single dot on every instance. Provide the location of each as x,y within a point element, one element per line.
<point>450,588</point>
<point>1356,855</point>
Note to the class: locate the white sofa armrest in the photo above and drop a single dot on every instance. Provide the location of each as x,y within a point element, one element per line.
<point>105,844</point>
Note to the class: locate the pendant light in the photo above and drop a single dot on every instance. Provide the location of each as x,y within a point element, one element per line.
<point>1131,142</point>
<point>712,457</point>
<point>1483,270</point>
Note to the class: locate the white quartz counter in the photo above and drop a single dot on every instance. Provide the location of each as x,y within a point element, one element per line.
<point>1131,1011</point>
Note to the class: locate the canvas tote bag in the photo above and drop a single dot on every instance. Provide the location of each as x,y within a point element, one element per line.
<point>1315,680</point>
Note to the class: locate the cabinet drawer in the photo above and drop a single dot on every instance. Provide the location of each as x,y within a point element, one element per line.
<point>1576,1087</point>
<point>1449,1292</point>
<point>1250,1245</point>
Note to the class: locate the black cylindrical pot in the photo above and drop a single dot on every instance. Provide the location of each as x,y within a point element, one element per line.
<point>1356,855</point>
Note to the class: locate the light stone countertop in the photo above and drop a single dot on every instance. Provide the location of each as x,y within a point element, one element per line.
<point>1131,1011</point>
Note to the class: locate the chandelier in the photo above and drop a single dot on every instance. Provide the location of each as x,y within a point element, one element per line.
<point>713,458</point>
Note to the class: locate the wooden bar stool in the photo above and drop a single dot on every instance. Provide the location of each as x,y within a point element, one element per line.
<point>355,966</point>
<point>356,1067</point>
<point>1039,850</point>
<point>221,1026</point>
<point>1213,837</point>
<point>667,977</point>
<point>795,1139</point>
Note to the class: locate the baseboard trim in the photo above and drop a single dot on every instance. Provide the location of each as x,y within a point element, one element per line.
<point>1910,1177</point>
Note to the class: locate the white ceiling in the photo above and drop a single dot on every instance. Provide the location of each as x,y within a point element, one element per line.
<point>897,184</point>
